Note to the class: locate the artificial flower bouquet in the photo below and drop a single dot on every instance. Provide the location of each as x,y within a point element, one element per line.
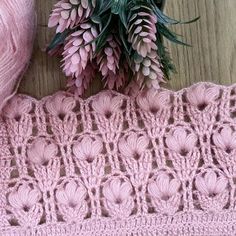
<point>118,40</point>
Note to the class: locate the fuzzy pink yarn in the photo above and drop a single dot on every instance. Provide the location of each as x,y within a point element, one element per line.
<point>17,23</point>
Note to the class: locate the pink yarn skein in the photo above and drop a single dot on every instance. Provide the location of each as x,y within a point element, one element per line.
<point>17,24</point>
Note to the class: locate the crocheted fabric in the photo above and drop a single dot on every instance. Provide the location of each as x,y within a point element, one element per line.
<point>163,163</point>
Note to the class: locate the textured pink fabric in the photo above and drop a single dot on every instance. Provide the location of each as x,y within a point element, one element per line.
<point>163,163</point>
<point>17,23</point>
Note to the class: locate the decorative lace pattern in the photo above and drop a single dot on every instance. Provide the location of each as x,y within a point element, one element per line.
<point>160,164</point>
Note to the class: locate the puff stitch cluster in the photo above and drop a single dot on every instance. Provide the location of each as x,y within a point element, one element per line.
<point>163,163</point>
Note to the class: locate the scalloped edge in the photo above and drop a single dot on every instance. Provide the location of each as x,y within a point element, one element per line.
<point>92,97</point>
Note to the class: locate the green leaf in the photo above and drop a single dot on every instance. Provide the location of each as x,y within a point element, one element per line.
<point>123,18</point>
<point>191,21</point>
<point>143,6</point>
<point>119,7</point>
<point>165,59</point>
<point>163,30</point>
<point>123,38</point>
<point>58,39</point>
<point>100,40</point>
<point>102,6</point>
<point>130,4</point>
<point>161,17</point>
<point>96,19</point>
<point>115,9</point>
<point>164,19</point>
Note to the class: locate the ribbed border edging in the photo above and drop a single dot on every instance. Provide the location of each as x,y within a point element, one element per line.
<point>184,224</point>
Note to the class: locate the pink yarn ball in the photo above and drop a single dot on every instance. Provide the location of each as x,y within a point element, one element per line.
<point>17,24</point>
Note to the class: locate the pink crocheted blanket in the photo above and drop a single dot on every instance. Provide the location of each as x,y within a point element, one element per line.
<point>163,163</point>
